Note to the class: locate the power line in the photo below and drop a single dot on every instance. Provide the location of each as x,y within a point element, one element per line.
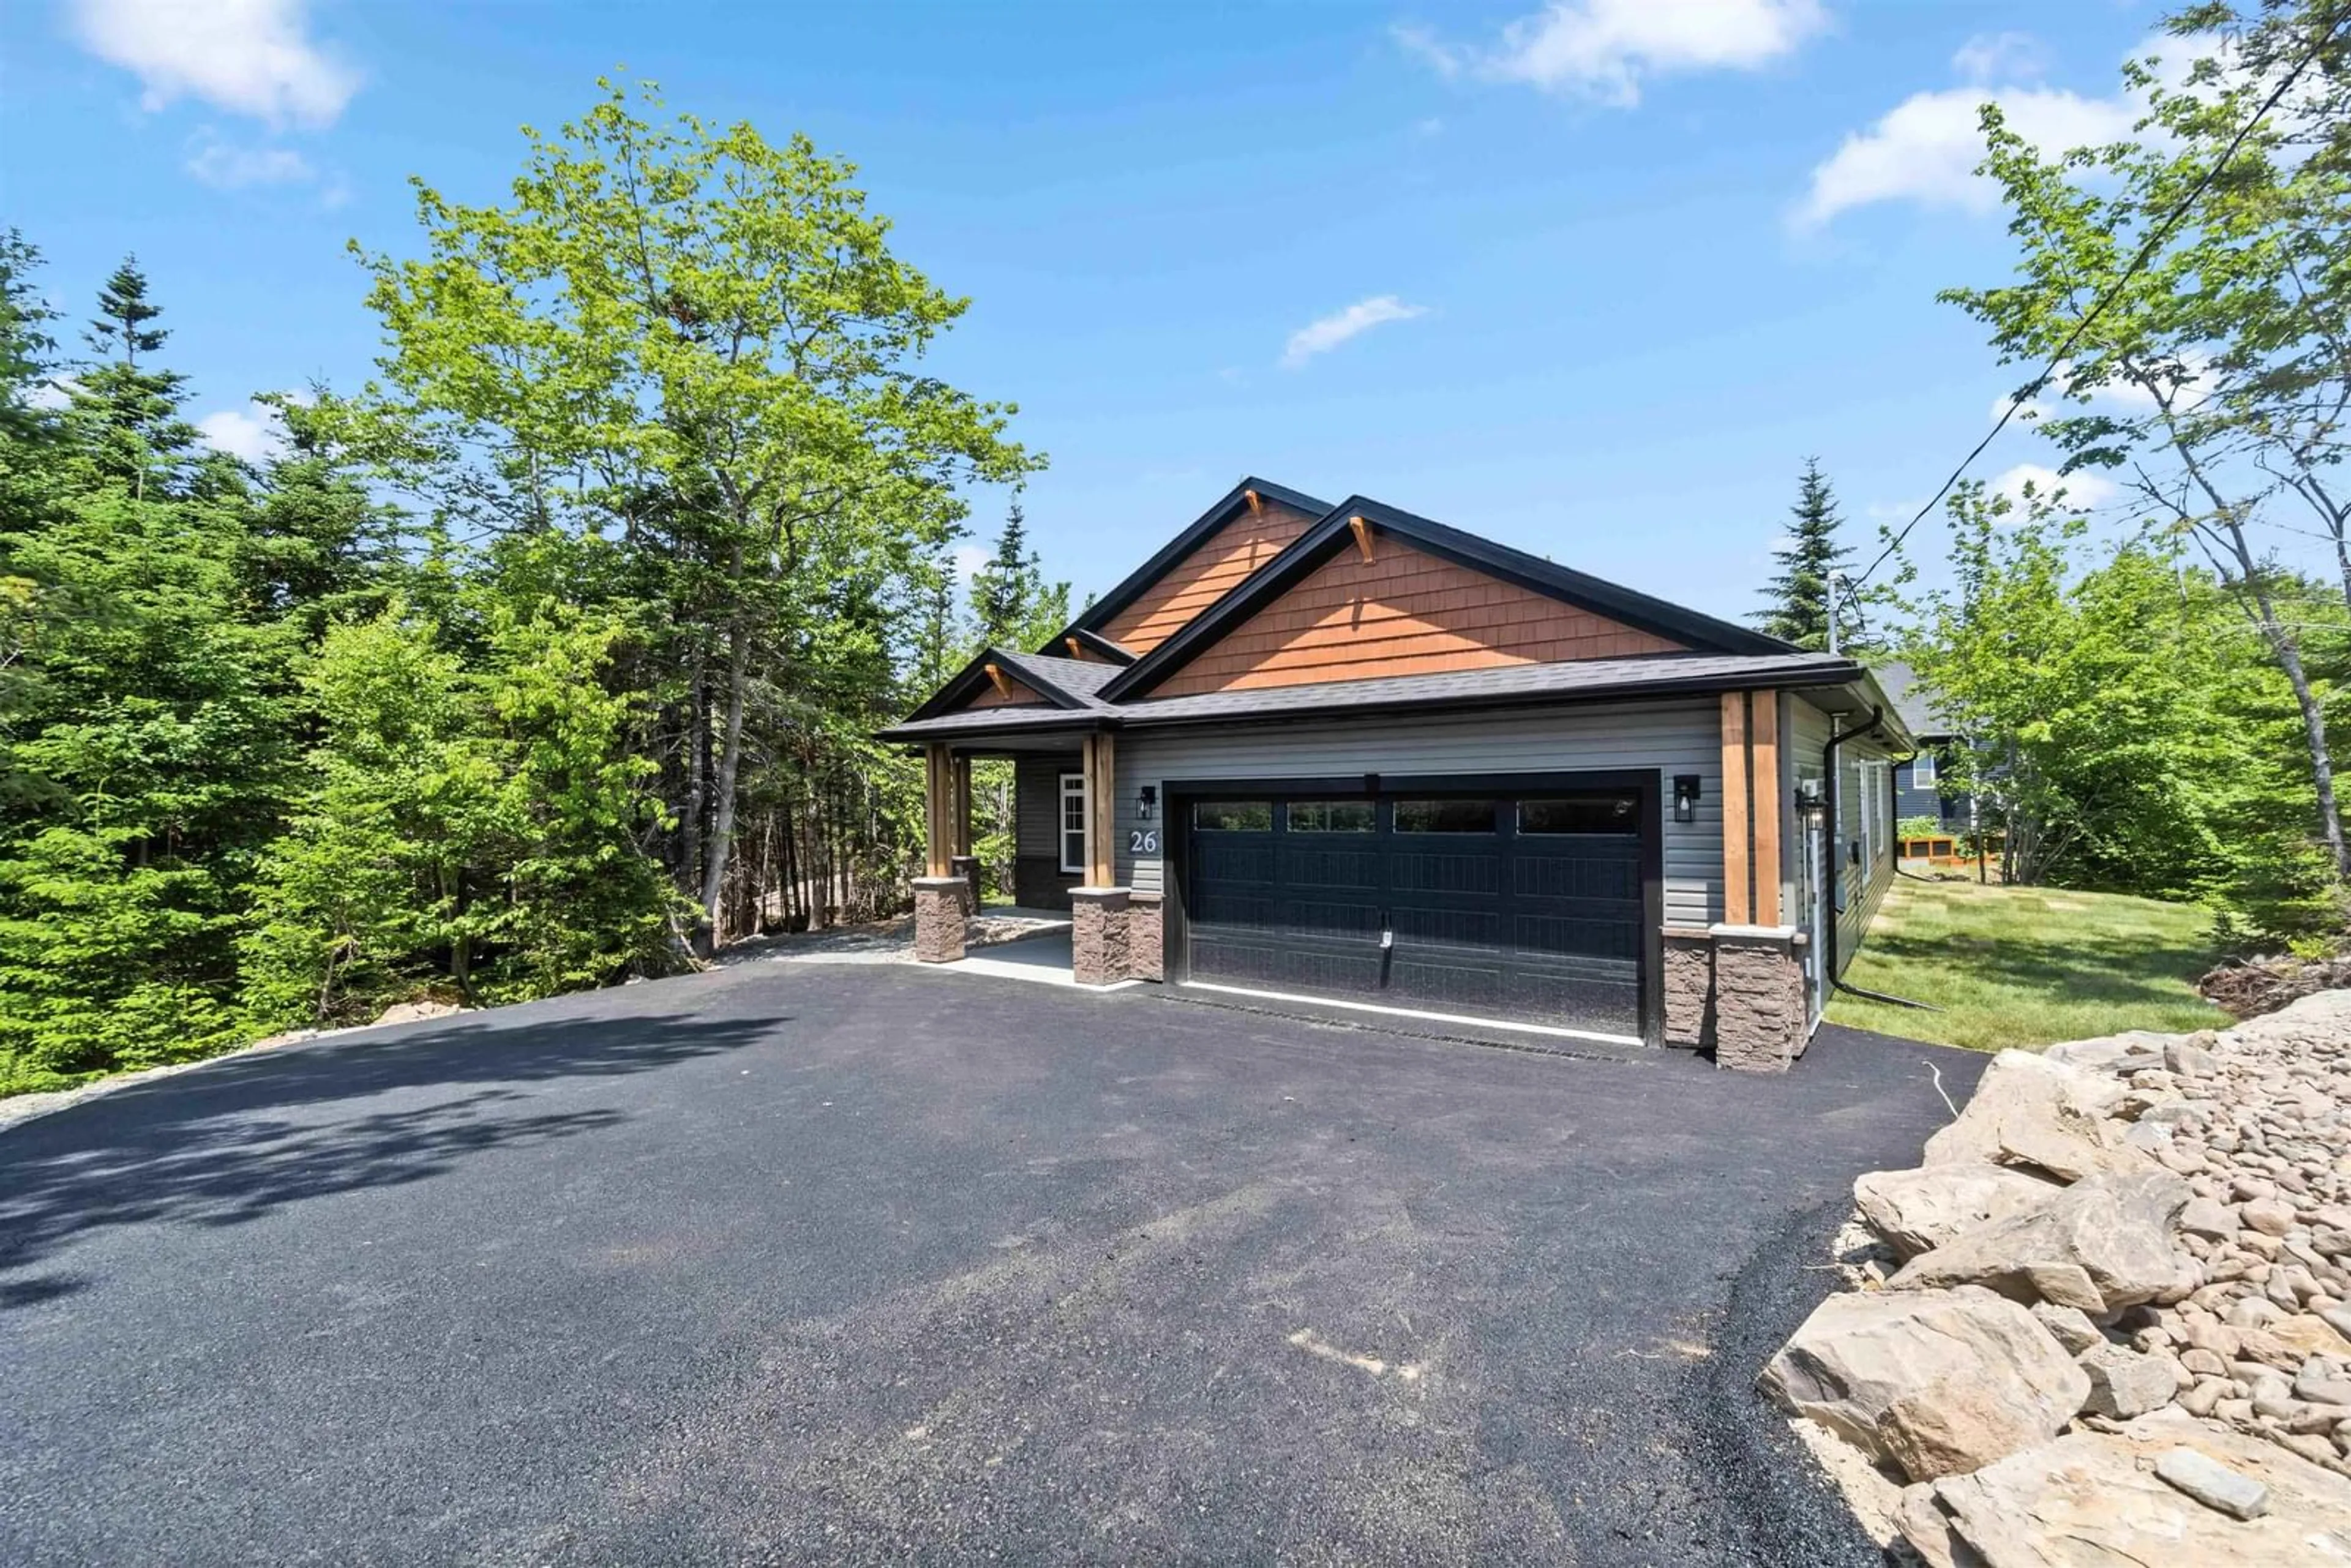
<point>2145,253</point>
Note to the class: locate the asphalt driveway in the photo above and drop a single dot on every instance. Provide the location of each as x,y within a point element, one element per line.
<point>795,1263</point>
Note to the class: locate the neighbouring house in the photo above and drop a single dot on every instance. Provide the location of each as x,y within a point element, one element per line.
<point>1920,790</point>
<point>1347,756</point>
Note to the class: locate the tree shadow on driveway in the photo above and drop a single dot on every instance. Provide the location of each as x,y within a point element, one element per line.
<point>231,1142</point>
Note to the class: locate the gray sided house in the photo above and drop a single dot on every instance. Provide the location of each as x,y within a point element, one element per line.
<point>1919,786</point>
<point>1346,756</point>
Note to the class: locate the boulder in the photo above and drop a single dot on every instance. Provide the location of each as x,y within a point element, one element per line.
<point>1937,1382</point>
<point>2070,1327</point>
<point>1919,1210</point>
<point>2123,1384</point>
<point>2210,1218</point>
<point>1922,1522</point>
<point>2094,1499</point>
<point>2101,1245</point>
<point>2029,1111</point>
<point>2113,1052</point>
<point>2307,1335</point>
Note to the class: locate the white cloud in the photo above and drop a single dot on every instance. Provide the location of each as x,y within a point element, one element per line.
<point>248,56</point>
<point>2082,490</point>
<point>969,560</point>
<point>1927,149</point>
<point>2001,57</point>
<point>1604,50</point>
<point>253,433</point>
<point>54,393</point>
<point>1320,337</point>
<point>2127,398</point>
<point>226,166</point>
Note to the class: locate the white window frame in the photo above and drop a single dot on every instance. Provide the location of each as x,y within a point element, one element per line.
<point>1074,788</point>
<point>1922,770</point>
<point>1865,777</point>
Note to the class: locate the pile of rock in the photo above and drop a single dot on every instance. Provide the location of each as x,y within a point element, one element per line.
<point>2109,1318</point>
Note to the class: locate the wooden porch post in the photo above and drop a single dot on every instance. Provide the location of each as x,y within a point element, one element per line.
<point>1750,808</point>
<point>961,787</point>
<point>937,822</point>
<point>1737,889</point>
<point>1102,789</point>
<point>1763,739</point>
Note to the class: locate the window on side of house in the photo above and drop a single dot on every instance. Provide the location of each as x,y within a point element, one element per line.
<point>1922,772</point>
<point>1073,823</point>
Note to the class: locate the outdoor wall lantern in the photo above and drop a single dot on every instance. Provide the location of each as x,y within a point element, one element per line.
<point>1685,797</point>
<point>1146,801</point>
<point>1811,799</point>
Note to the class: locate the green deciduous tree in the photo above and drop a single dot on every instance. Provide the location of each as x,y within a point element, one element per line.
<point>697,344</point>
<point>2121,721</point>
<point>2211,379</point>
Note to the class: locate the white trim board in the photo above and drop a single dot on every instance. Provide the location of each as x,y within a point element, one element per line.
<point>1540,1028</point>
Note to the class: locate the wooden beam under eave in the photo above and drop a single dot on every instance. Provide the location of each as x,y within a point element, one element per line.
<point>1361,527</point>
<point>1764,807</point>
<point>1077,649</point>
<point>1737,885</point>
<point>1003,686</point>
<point>1254,500</point>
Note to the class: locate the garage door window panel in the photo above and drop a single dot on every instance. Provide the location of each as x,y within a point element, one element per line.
<point>1546,817</point>
<point>1331,817</point>
<point>1445,816</point>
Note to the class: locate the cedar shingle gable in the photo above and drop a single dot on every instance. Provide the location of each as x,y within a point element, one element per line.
<point>1404,612</point>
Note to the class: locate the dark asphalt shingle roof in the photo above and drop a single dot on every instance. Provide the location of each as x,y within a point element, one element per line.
<point>1079,678</point>
<point>1580,680</point>
<point>1910,700</point>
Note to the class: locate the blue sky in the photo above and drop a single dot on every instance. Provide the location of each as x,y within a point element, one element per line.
<point>1591,278</point>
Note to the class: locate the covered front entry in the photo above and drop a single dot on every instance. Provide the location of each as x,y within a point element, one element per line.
<point>1528,899</point>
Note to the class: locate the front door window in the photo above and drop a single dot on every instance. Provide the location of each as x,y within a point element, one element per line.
<point>1073,823</point>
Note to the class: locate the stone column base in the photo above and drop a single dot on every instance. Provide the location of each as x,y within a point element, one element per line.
<point>967,868</point>
<point>1147,955</point>
<point>939,918</point>
<point>1758,997</point>
<point>1689,987</point>
<point>1098,934</point>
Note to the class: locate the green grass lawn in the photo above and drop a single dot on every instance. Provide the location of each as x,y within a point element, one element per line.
<point>2029,966</point>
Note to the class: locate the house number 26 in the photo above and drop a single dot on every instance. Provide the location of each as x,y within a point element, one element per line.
<point>1143,842</point>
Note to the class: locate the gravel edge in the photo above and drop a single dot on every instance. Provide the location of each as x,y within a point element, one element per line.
<point>1783,1506</point>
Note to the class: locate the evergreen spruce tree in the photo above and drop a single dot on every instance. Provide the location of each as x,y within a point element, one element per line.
<point>27,350</point>
<point>1798,611</point>
<point>131,412</point>
<point>1013,603</point>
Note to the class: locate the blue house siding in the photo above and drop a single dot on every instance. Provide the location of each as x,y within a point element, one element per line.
<point>1912,798</point>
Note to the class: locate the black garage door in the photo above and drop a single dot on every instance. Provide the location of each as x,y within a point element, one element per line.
<point>1518,905</point>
